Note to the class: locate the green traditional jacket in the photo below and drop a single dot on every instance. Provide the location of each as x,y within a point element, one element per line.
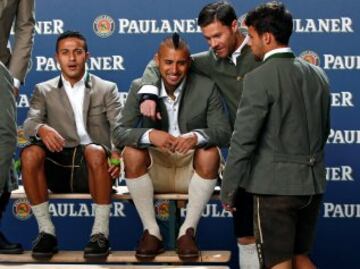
<point>280,131</point>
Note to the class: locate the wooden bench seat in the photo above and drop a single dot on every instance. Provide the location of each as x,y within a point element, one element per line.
<point>94,266</point>
<point>121,193</point>
<point>117,257</point>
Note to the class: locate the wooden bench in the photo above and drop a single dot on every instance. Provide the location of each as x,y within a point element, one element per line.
<point>168,257</point>
<point>117,257</point>
<point>94,266</point>
<point>121,193</point>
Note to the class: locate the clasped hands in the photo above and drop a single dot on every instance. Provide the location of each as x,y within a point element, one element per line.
<point>181,144</point>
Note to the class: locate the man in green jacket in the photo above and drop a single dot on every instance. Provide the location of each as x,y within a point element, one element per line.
<point>177,154</point>
<point>277,147</point>
<point>226,63</point>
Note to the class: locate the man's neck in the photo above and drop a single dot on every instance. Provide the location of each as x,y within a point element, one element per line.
<point>238,41</point>
<point>72,81</point>
<point>170,91</point>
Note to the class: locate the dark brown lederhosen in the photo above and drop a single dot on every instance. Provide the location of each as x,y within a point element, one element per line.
<point>66,171</point>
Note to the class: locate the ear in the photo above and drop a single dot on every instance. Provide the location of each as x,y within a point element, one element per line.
<point>234,26</point>
<point>87,56</point>
<point>267,38</point>
<point>156,59</point>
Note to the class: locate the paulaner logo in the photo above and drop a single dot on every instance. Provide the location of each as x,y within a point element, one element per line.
<point>21,139</point>
<point>332,210</point>
<point>339,173</point>
<point>104,26</point>
<point>103,63</point>
<point>311,57</point>
<point>22,101</point>
<point>51,27</point>
<point>344,137</point>
<point>211,210</point>
<point>22,209</point>
<point>145,26</point>
<point>341,62</point>
<point>162,209</point>
<point>323,25</point>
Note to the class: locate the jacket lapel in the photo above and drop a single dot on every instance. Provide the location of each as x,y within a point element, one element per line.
<point>65,100</point>
<point>87,98</point>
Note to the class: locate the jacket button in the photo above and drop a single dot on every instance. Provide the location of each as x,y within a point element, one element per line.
<point>311,161</point>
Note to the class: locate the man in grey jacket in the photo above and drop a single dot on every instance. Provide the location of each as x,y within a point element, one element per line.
<point>13,68</point>
<point>277,148</point>
<point>69,123</point>
<point>177,154</point>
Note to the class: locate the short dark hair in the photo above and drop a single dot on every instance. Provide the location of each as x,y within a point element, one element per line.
<point>274,18</point>
<point>68,34</point>
<point>176,42</point>
<point>218,11</point>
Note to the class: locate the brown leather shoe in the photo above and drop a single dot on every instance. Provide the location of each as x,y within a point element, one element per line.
<point>186,245</point>
<point>149,246</point>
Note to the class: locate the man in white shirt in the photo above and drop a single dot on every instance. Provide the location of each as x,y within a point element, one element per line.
<point>177,154</point>
<point>69,124</point>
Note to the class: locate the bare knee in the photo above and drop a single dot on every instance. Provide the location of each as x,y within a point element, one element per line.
<point>136,162</point>
<point>246,240</point>
<point>95,156</point>
<point>206,162</point>
<point>32,156</point>
<point>303,262</point>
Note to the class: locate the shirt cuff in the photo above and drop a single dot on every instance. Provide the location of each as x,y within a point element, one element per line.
<point>17,83</point>
<point>200,138</point>
<point>149,89</point>
<point>145,138</point>
<point>37,130</point>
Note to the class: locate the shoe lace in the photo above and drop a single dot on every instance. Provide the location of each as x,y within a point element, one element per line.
<point>99,239</point>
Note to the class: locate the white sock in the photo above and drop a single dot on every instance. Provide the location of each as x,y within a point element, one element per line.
<point>200,191</point>
<point>42,216</point>
<point>248,256</point>
<point>142,192</point>
<point>101,221</point>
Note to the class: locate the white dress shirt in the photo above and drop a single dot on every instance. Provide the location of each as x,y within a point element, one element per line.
<point>76,97</point>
